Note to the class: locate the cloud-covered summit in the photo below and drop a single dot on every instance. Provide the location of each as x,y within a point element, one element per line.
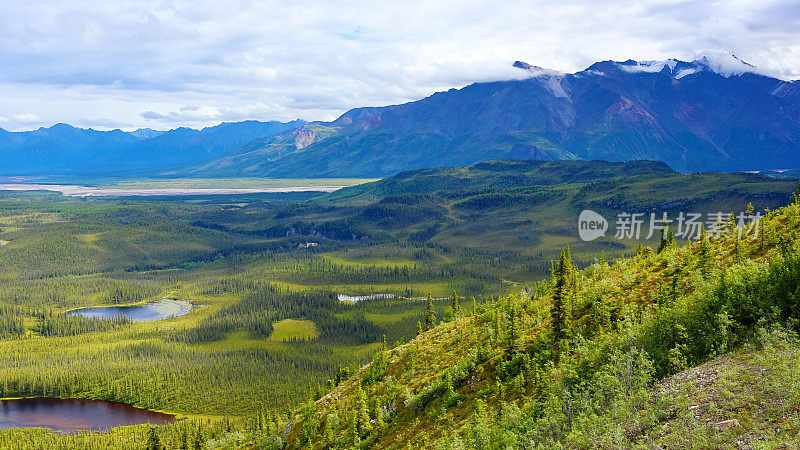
<point>161,64</point>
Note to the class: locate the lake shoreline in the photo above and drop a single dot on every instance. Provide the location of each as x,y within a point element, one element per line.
<point>163,309</point>
<point>54,414</point>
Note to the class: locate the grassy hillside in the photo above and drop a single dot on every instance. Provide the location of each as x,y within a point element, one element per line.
<point>576,361</point>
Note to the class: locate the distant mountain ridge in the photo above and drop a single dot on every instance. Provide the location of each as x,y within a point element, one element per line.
<point>64,149</point>
<point>715,113</point>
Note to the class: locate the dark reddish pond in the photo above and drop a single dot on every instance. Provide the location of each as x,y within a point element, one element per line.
<point>72,415</point>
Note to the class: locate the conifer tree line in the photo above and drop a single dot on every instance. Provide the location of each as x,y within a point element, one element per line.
<point>311,270</point>
<point>262,304</point>
<point>49,324</point>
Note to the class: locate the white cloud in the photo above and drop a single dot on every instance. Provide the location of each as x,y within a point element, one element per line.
<point>188,114</point>
<point>26,118</point>
<point>142,63</point>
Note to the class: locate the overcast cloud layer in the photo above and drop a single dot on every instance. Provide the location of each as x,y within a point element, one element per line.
<point>163,64</point>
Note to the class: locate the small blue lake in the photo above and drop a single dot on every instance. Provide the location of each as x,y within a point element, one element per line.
<point>163,309</point>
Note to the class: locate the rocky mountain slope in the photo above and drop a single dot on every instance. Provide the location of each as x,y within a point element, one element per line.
<point>714,113</point>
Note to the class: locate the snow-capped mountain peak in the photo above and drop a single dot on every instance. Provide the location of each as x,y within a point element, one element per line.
<point>648,66</point>
<point>724,63</point>
<point>721,62</point>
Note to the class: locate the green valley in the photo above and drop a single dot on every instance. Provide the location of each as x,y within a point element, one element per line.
<point>399,225</point>
<point>470,246</point>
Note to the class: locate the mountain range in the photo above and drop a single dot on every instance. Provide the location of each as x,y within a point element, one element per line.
<point>64,149</point>
<point>715,113</point>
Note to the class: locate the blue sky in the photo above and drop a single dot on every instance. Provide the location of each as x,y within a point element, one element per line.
<point>163,64</point>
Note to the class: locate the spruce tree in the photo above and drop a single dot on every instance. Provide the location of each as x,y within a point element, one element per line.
<point>198,439</point>
<point>673,291</point>
<point>796,195</point>
<point>454,304</point>
<point>362,413</point>
<point>705,251</point>
<point>514,331</point>
<point>496,322</point>
<point>153,442</point>
<point>430,317</point>
<point>731,225</point>
<point>450,390</point>
<point>379,422</point>
<point>740,251</point>
<point>561,297</point>
<point>667,239</point>
<point>600,315</point>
